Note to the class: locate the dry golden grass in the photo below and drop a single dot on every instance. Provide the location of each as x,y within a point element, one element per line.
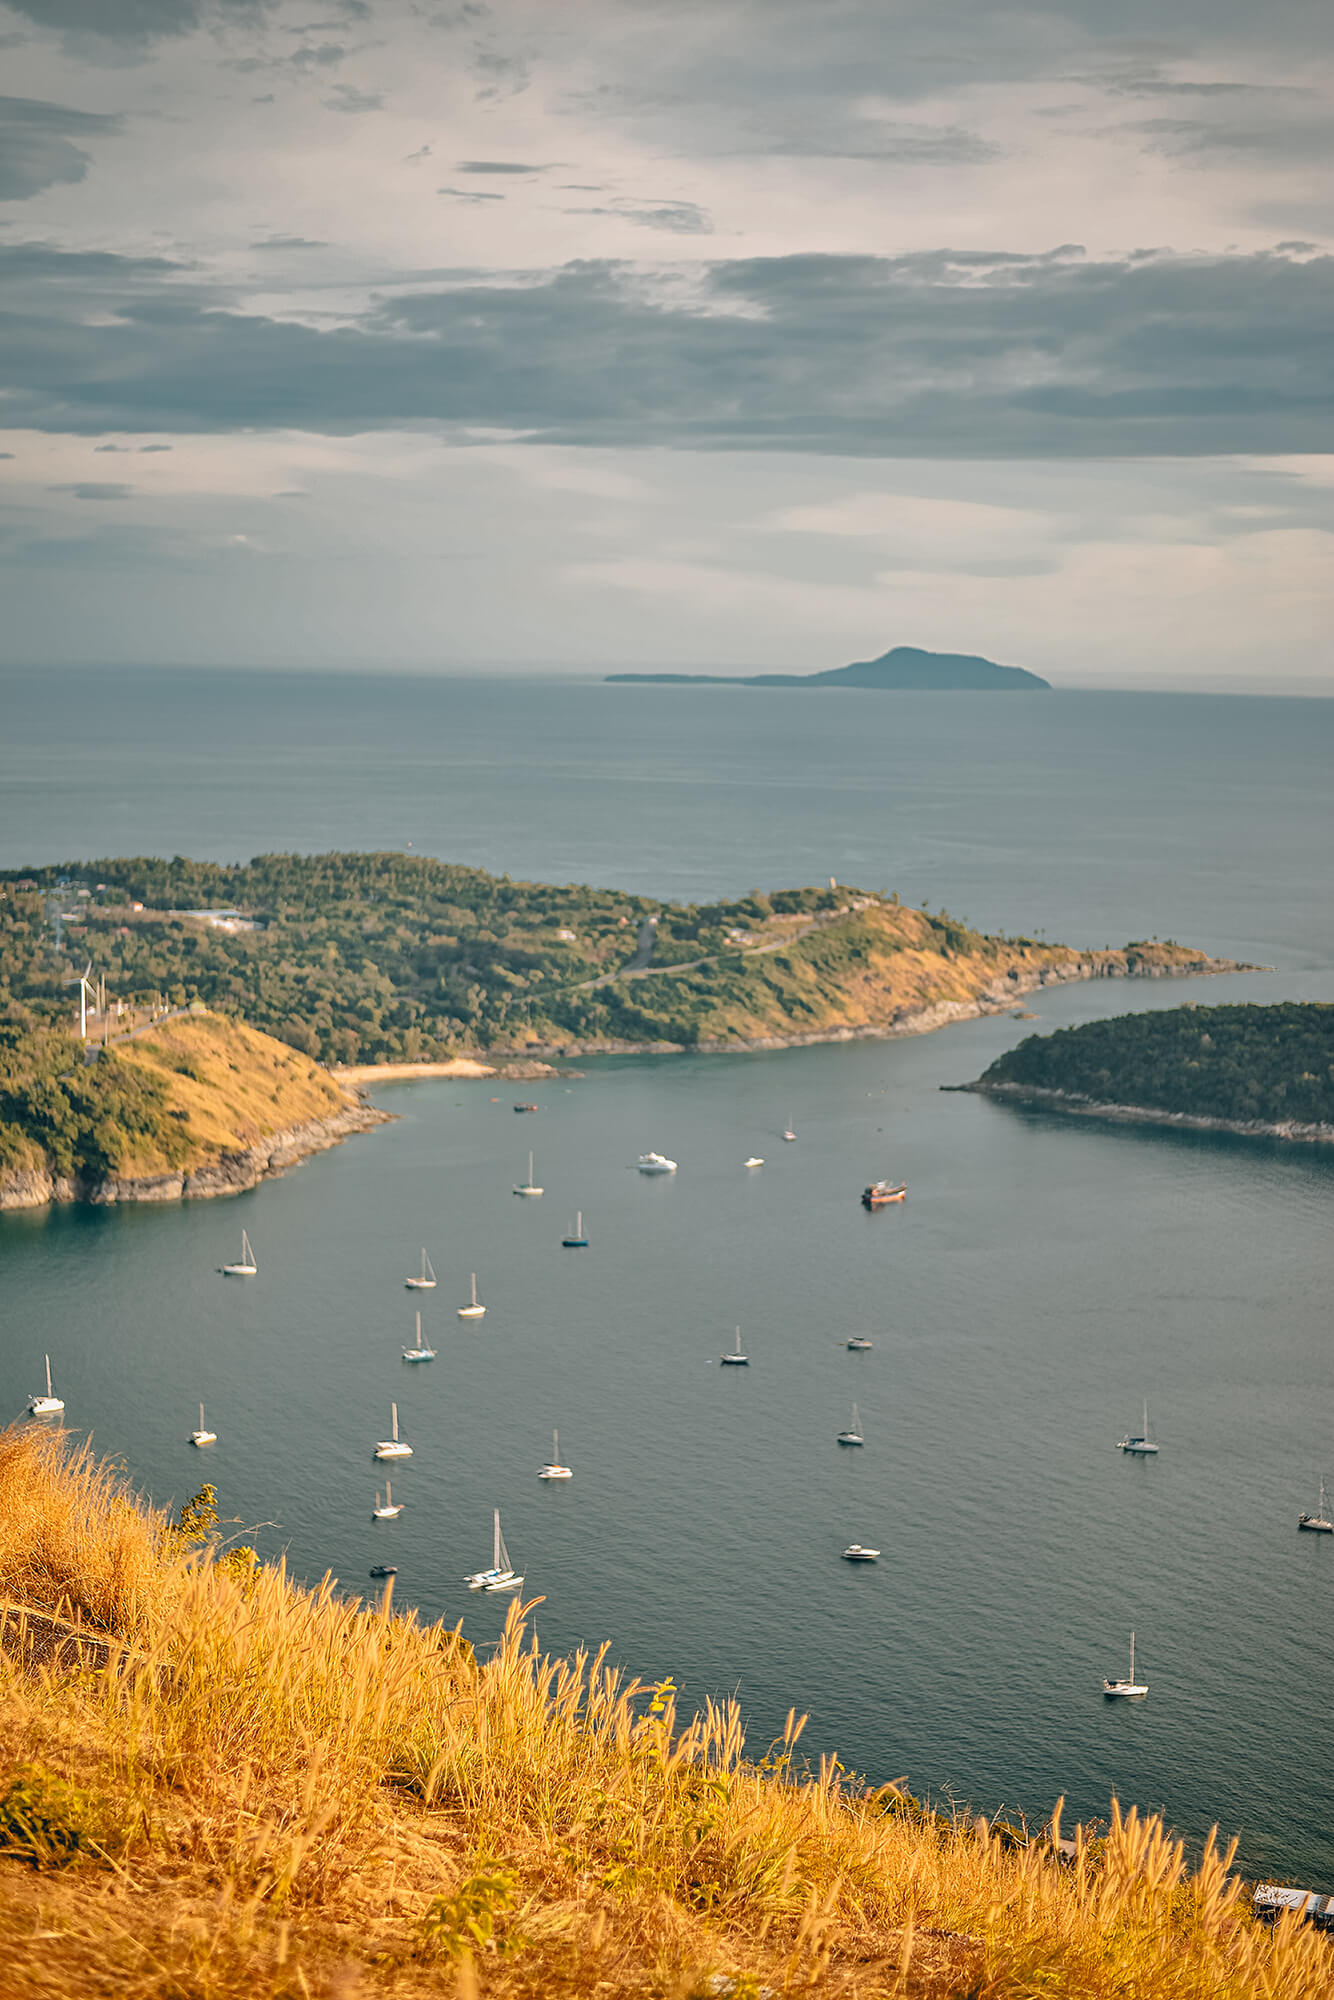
<point>288,1794</point>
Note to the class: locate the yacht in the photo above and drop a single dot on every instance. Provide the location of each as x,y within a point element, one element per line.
<point>421,1352</point>
<point>387,1509</point>
<point>856,1553</point>
<point>881,1193</point>
<point>1318,1523</point>
<point>393,1446</point>
<point>49,1405</point>
<point>859,1343</point>
<point>736,1359</point>
<point>853,1434</point>
<point>755,1160</point>
<point>1129,1688</point>
<point>245,1265</point>
<point>1142,1445</point>
<point>473,1310</point>
<point>576,1240</point>
<point>656,1163</point>
<point>203,1435</point>
<point>426,1282</point>
<point>555,1470</point>
<point>384,1569</point>
<point>529,1186</point>
<point>502,1575</point>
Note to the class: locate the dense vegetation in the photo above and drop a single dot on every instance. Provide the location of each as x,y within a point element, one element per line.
<point>1274,1064</point>
<point>79,1120</point>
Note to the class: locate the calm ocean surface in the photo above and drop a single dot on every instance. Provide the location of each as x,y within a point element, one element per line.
<point>1042,1279</point>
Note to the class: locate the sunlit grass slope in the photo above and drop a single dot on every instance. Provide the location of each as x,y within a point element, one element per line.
<point>239,1790</point>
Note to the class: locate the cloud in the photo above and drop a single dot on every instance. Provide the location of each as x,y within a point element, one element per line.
<point>348,98</point>
<point>470,194</point>
<point>37,148</point>
<point>89,22</point>
<point>498,167</point>
<point>96,489</point>
<point>290,243</point>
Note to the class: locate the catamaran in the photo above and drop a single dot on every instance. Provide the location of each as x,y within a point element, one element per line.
<point>853,1434</point>
<point>555,1470</point>
<point>49,1405</point>
<point>472,1311</point>
<point>203,1435</point>
<point>502,1575</point>
<point>1129,1688</point>
<point>393,1446</point>
<point>736,1359</point>
<point>1318,1523</point>
<point>576,1240</point>
<point>387,1509</point>
<point>656,1163</point>
<point>245,1265</point>
<point>421,1352</point>
<point>529,1186</point>
<point>1142,1445</point>
<point>426,1282</point>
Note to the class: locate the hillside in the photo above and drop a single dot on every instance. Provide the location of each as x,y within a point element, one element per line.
<point>380,958</point>
<point>904,667</point>
<point>215,1785</point>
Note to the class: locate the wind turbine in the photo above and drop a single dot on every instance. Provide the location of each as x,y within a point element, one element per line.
<point>87,992</point>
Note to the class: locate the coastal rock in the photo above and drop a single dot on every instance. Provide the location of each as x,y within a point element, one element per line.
<point>1040,1098</point>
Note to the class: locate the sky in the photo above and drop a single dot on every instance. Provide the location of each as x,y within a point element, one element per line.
<point>746,334</point>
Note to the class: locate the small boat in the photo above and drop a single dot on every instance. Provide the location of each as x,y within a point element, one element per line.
<point>502,1575</point>
<point>576,1240</point>
<point>736,1359</point>
<point>245,1265</point>
<point>853,1434</point>
<point>529,1186</point>
<point>555,1470</point>
<point>1129,1688</point>
<point>472,1311</point>
<point>656,1163</point>
<point>393,1446</point>
<point>426,1282</point>
<point>859,1343</point>
<point>755,1160</point>
<point>387,1509</point>
<point>788,1131</point>
<point>421,1352</point>
<point>856,1553</point>
<point>1318,1523</point>
<point>1141,1445</point>
<point>881,1193</point>
<point>49,1405</point>
<point>525,1107</point>
<point>384,1569</point>
<point>203,1435</point>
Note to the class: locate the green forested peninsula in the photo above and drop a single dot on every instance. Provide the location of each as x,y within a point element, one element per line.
<point>1240,1065</point>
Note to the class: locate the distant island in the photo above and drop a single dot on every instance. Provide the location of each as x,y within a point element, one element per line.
<point>903,667</point>
<point>1254,1070</point>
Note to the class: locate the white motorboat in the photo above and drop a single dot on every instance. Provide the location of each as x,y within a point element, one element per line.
<point>856,1553</point>
<point>736,1359</point>
<point>1140,1445</point>
<point>853,1434</point>
<point>530,1185</point>
<point>472,1310</point>
<point>1318,1523</point>
<point>424,1283</point>
<point>755,1160</point>
<point>656,1163</point>
<point>1129,1688</point>
<point>502,1574</point>
<point>203,1435</point>
<point>393,1446</point>
<point>49,1405</point>
<point>245,1265</point>
<point>859,1343</point>
<point>555,1470</point>
<point>421,1352</point>
<point>387,1509</point>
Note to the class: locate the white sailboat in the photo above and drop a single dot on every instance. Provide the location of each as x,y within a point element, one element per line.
<point>49,1405</point>
<point>421,1352</point>
<point>393,1446</point>
<point>736,1359</point>
<point>245,1265</point>
<point>853,1434</point>
<point>502,1575</point>
<point>387,1509</point>
<point>1318,1523</point>
<point>426,1282</point>
<point>203,1435</point>
<point>472,1311</point>
<point>789,1130</point>
<point>529,1186</point>
<point>1141,1446</point>
<point>555,1470</point>
<point>1129,1688</point>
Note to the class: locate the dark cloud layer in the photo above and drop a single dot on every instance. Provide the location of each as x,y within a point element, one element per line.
<point>944,354</point>
<point>37,144</point>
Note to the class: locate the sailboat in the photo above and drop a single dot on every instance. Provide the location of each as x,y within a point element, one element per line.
<point>387,1509</point>
<point>426,1282</point>
<point>529,1186</point>
<point>555,1470</point>
<point>392,1446</point>
<point>853,1434</point>
<point>502,1575</point>
<point>49,1405</point>
<point>1318,1523</point>
<point>1130,1687</point>
<point>245,1265</point>
<point>473,1311</point>
<point>421,1352</point>
<point>203,1435</point>
<point>789,1131</point>
<point>576,1240</point>
<point>736,1359</point>
<point>1142,1446</point>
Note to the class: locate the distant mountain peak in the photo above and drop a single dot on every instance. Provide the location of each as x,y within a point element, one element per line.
<point>903,667</point>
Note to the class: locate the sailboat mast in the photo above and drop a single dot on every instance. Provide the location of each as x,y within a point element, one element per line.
<point>1132,1659</point>
<point>393,1412</point>
<point>419,1330</point>
<point>48,1375</point>
<point>495,1546</point>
